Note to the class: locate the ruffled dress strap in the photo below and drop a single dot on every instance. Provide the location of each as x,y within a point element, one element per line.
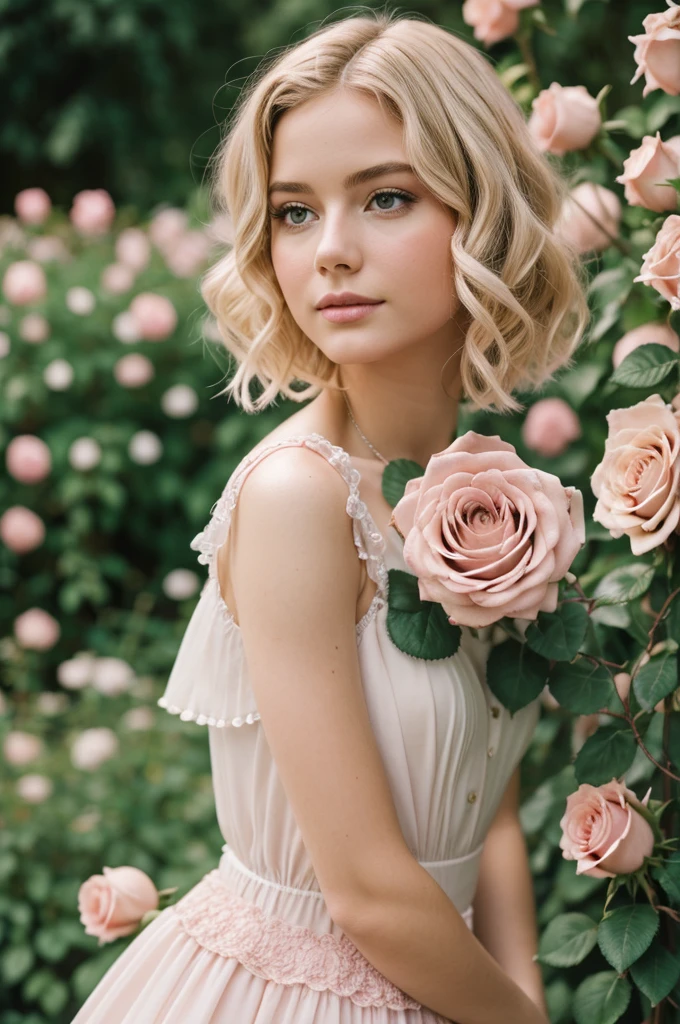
<point>208,683</point>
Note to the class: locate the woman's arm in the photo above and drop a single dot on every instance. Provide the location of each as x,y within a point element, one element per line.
<point>504,906</point>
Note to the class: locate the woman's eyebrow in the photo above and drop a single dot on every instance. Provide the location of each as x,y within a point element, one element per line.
<point>357,178</point>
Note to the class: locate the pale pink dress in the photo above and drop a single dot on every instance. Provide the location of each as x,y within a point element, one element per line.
<point>253,942</point>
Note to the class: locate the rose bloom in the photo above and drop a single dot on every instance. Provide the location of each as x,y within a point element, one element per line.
<point>34,788</point>
<point>590,218</point>
<point>92,747</point>
<point>167,225</point>
<point>155,316</point>
<point>133,370</point>
<point>117,278</point>
<point>645,334</point>
<point>603,832</point>
<point>494,20</point>
<point>644,171</point>
<point>636,484</point>
<point>113,904</point>
<point>550,426</point>
<point>34,328</point>
<point>486,535</point>
<point>21,529</point>
<point>24,283</point>
<point>36,630</point>
<point>93,212</point>
<point>28,459</point>
<point>661,267</point>
<point>32,205</point>
<point>21,748</point>
<point>657,52</point>
<point>133,249</point>
<point>564,118</point>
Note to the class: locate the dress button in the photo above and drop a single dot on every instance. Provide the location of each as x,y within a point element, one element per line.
<point>491,751</point>
<point>472,797</point>
<point>495,711</point>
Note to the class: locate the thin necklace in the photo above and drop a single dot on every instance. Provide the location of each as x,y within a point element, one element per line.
<point>361,435</point>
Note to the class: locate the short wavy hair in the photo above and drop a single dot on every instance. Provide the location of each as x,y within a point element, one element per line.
<point>468,141</point>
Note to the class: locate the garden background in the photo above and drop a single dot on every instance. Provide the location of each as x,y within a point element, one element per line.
<point>129,445</point>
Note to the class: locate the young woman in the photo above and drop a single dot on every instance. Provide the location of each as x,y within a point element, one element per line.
<point>393,248</point>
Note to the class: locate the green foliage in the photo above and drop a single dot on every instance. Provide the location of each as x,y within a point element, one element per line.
<point>419,628</point>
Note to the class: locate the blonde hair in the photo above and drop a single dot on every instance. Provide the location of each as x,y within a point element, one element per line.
<point>468,141</point>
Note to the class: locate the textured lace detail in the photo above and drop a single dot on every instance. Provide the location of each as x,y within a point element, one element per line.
<point>225,923</point>
<point>369,541</point>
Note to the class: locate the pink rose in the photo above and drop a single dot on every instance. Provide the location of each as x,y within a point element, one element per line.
<point>154,315</point>
<point>117,278</point>
<point>636,484</point>
<point>21,748</point>
<point>92,747</point>
<point>550,426</point>
<point>494,20</point>
<point>34,788</point>
<point>36,630</point>
<point>486,535</point>
<point>113,904</point>
<point>24,283</point>
<point>590,217</point>
<point>133,370</point>
<point>674,144</point>
<point>93,212</point>
<point>646,334</point>
<point>644,171</point>
<point>603,831</point>
<point>186,257</point>
<point>133,249</point>
<point>32,205</point>
<point>564,118</point>
<point>657,51</point>
<point>34,328</point>
<point>28,459</point>
<point>661,267</point>
<point>166,226</point>
<point>21,529</point>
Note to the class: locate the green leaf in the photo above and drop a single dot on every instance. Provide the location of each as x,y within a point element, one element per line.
<point>418,628</point>
<point>625,934</point>
<point>396,475</point>
<point>582,686</point>
<point>645,366</point>
<point>601,999</point>
<point>54,998</point>
<point>656,972</point>
<point>89,973</point>
<point>16,963</point>
<point>668,877</point>
<point>605,755</point>
<point>516,675</point>
<point>656,680</point>
<point>567,940</point>
<point>624,584</point>
<point>558,635</point>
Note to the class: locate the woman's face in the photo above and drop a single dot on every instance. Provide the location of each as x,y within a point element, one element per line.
<point>387,238</point>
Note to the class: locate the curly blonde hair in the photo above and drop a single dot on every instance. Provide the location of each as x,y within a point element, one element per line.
<point>468,141</point>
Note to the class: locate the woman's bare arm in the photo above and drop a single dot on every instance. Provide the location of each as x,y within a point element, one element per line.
<point>295,576</point>
<point>504,906</point>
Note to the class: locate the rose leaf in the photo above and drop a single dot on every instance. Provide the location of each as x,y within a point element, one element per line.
<point>416,627</point>
<point>567,940</point>
<point>396,475</point>
<point>668,877</point>
<point>656,972</point>
<point>605,755</point>
<point>582,686</point>
<point>624,584</point>
<point>516,675</point>
<point>645,366</point>
<point>558,635</point>
<point>656,680</point>
<point>625,934</point>
<point>601,999</point>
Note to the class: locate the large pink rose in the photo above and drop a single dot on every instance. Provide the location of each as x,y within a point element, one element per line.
<point>564,118</point>
<point>603,831</point>
<point>657,51</point>
<point>494,20</point>
<point>590,217</point>
<point>636,484</point>
<point>487,535</point>
<point>644,172</point>
<point>113,904</point>
<point>661,267</point>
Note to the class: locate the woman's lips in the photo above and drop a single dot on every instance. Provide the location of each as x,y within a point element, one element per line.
<point>345,314</point>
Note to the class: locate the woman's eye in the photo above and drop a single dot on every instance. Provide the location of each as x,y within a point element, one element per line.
<point>385,202</point>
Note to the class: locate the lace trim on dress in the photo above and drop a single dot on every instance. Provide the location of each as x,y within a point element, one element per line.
<point>369,541</point>
<point>225,923</point>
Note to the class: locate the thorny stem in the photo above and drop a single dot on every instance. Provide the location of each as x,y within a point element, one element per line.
<point>657,620</point>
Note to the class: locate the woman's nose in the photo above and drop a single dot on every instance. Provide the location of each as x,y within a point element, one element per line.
<point>337,245</point>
